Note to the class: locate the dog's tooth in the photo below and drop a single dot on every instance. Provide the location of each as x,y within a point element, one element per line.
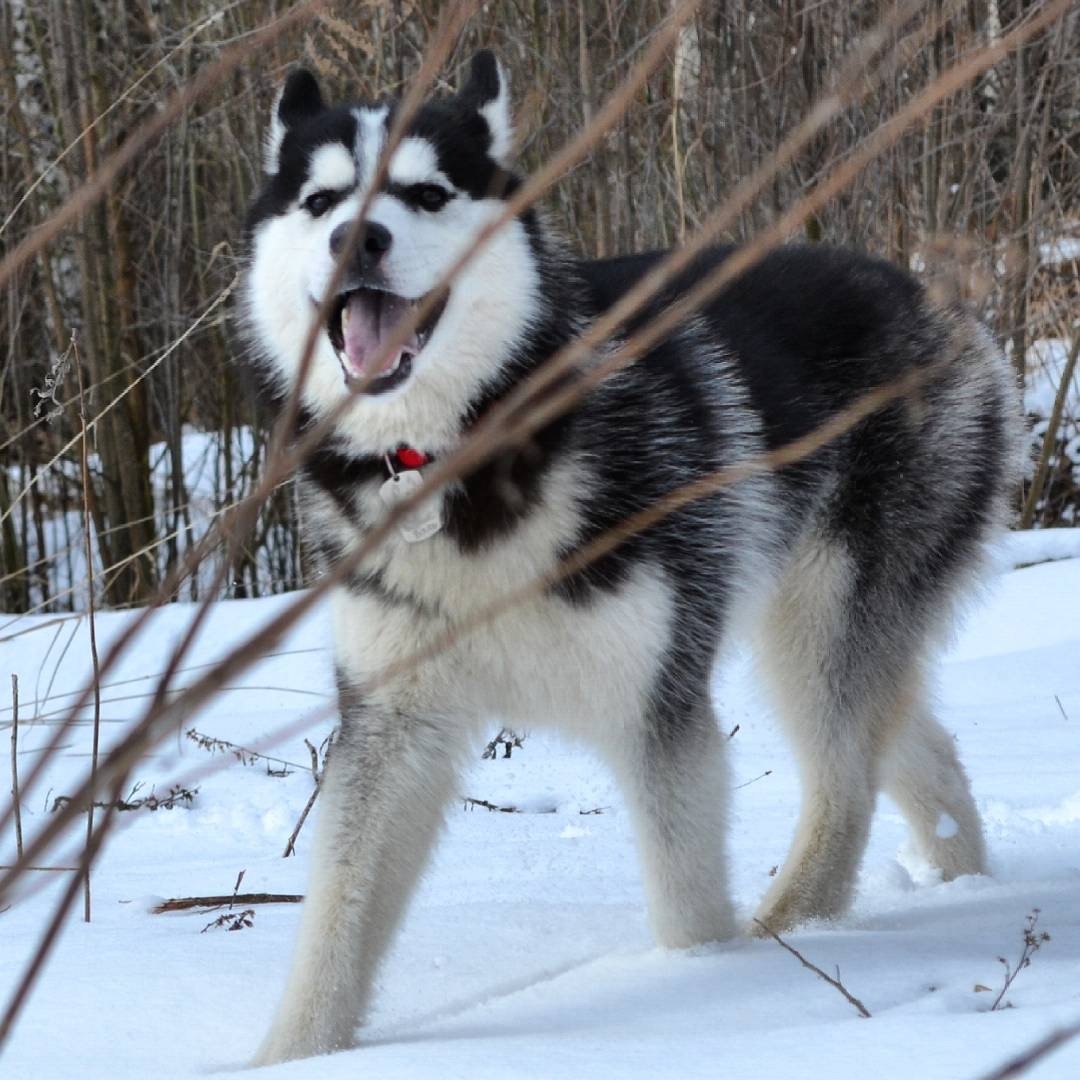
<point>345,316</point>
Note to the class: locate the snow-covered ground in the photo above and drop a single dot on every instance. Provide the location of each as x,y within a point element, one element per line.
<point>526,953</point>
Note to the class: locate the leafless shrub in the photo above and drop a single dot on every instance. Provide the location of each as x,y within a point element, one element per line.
<point>275,766</point>
<point>1033,940</point>
<point>232,920</point>
<point>178,796</point>
<point>507,739</point>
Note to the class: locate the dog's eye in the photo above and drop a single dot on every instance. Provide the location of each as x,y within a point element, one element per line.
<point>428,196</point>
<point>319,202</point>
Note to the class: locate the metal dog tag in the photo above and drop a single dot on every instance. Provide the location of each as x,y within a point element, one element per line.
<point>426,519</point>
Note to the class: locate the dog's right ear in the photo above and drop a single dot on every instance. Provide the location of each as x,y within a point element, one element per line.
<point>299,99</point>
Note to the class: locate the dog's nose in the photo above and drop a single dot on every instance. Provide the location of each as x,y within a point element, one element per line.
<point>374,243</point>
<point>376,240</point>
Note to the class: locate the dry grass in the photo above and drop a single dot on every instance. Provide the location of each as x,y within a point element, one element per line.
<point>831,172</point>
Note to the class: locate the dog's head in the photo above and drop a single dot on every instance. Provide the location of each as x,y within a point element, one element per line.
<point>446,179</point>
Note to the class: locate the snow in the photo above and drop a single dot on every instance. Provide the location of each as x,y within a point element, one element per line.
<point>526,953</point>
<point>1025,547</point>
<point>1064,249</point>
<point>946,827</point>
<point>205,494</point>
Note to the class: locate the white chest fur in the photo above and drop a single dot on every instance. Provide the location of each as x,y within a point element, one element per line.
<point>544,661</point>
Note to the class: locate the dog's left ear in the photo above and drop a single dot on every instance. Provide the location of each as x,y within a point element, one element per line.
<point>488,92</point>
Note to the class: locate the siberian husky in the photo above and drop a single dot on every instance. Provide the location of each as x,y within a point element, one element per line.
<point>842,568</point>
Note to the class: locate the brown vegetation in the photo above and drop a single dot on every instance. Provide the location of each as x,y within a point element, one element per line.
<point>969,195</point>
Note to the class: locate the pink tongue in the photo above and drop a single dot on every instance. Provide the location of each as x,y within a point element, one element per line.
<point>372,317</point>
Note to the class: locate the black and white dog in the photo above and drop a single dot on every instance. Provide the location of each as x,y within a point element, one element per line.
<point>843,568</point>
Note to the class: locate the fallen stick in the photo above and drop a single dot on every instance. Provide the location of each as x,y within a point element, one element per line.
<point>863,1011</point>
<point>185,903</point>
<point>48,868</point>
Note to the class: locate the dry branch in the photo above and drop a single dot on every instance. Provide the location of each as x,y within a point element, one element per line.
<point>836,983</point>
<point>45,869</point>
<point>318,770</point>
<point>470,803</point>
<point>185,903</point>
<point>15,800</point>
<point>84,461</point>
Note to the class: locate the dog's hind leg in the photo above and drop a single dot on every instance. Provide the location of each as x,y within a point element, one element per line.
<point>674,777</point>
<point>924,776</point>
<point>837,676</point>
<point>388,779</point>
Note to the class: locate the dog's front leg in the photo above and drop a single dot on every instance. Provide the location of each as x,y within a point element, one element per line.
<point>389,777</point>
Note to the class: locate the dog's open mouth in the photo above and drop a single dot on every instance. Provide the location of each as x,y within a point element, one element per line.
<point>360,325</point>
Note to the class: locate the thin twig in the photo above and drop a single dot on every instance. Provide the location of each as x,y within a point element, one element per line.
<point>317,773</point>
<point>15,765</point>
<point>242,754</point>
<point>747,783</point>
<point>1032,942</point>
<point>290,847</point>
<point>470,803</point>
<point>96,740</point>
<point>863,1010</point>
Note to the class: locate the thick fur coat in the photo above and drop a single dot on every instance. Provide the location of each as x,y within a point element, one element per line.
<point>842,569</point>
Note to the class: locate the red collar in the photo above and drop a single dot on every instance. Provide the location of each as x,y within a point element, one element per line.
<point>408,457</point>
